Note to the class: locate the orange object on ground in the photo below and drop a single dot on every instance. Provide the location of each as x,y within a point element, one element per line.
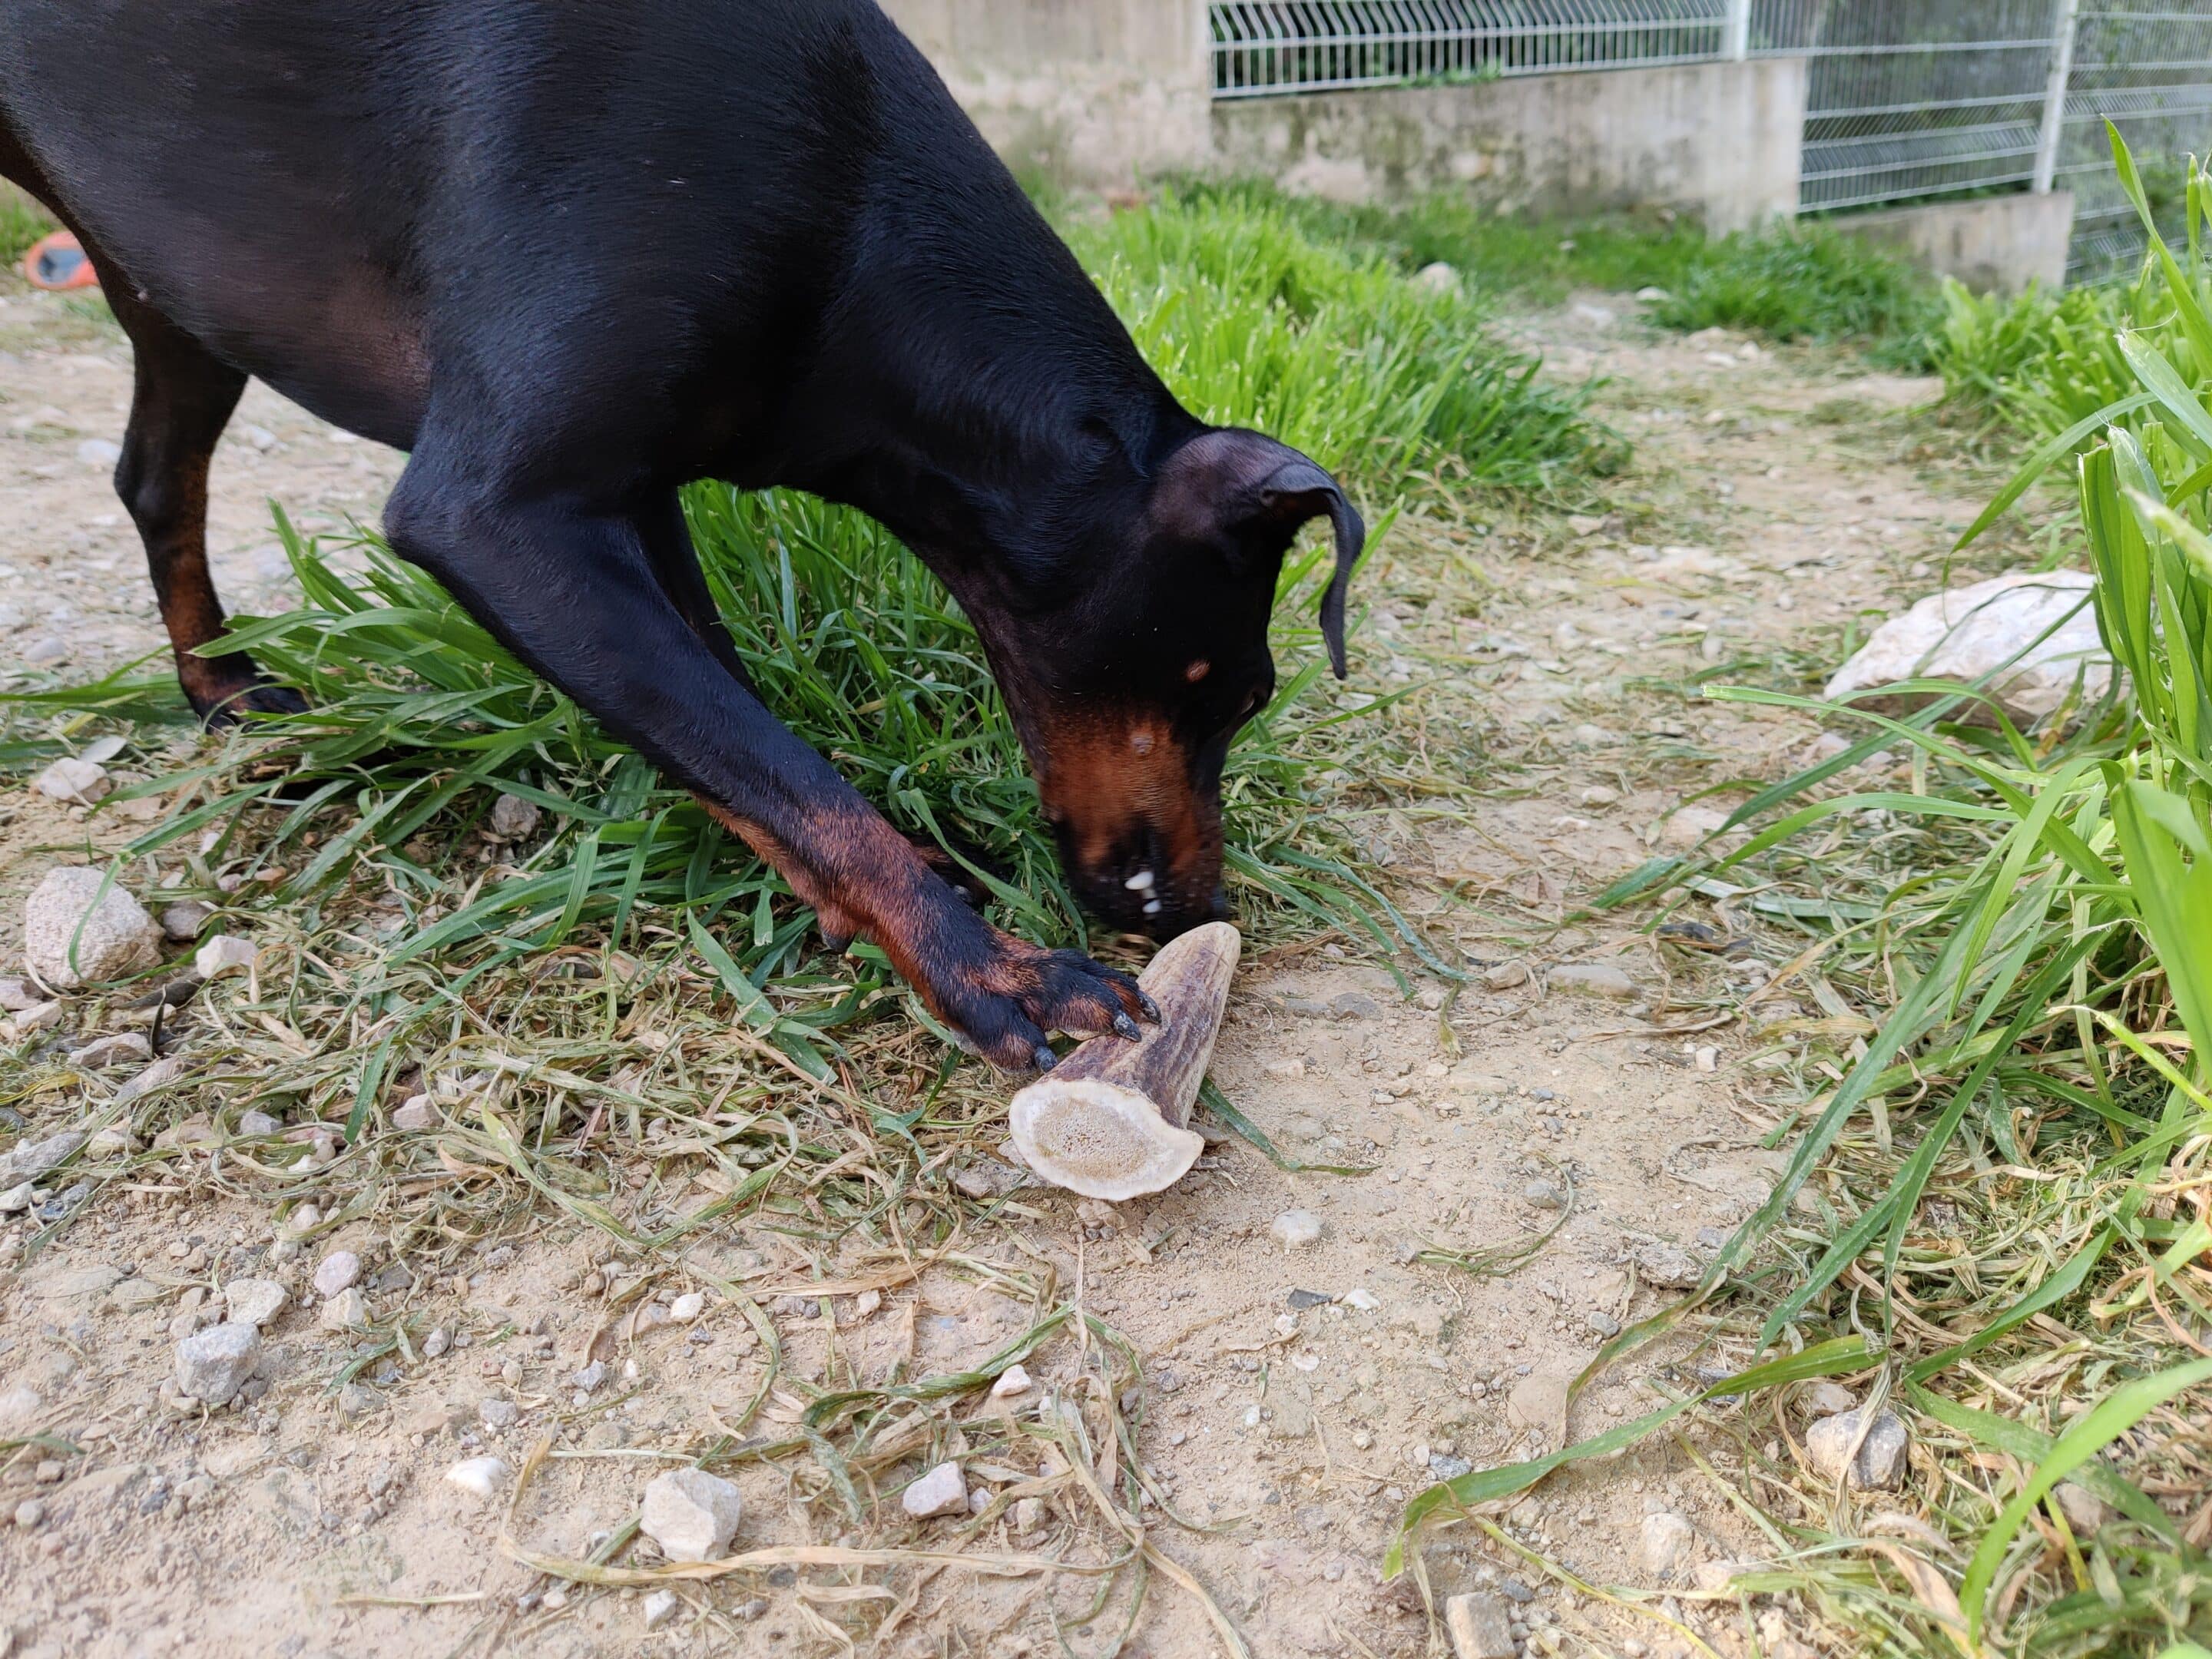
<point>56,261</point>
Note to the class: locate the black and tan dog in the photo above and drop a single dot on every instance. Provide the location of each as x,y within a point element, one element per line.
<point>571,254</point>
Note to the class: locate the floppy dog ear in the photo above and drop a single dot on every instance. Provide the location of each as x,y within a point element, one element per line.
<point>1249,494</point>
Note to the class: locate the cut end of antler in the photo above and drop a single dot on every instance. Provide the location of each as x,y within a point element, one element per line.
<point>1111,1121</point>
<point>1099,1139</point>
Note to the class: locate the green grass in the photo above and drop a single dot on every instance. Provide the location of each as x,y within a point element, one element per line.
<point>1998,1206</point>
<point>22,222</point>
<point>1805,283</point>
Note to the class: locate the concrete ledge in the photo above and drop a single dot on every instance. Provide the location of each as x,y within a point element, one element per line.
<point>1719,141</point>
<point>1993,244</point>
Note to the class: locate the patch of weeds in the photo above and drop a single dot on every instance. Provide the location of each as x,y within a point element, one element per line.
<point>22,222</point>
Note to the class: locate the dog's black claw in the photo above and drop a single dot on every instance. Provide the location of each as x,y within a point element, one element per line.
<point>1151,1008</point>
<point>1044,1058</point>
<point>1124,1026</point>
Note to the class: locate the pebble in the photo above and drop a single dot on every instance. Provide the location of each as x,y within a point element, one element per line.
<point>1296,1229</point>
<point>1479,1626</point>
<point>37,1017</point>
<point>1301,1300</point>
<point>1362,1298</point>
<point>253,1301</point>
<point>213,1364</point>
<point>1505,975</point>
<point>435,1344</point>
<point>1668,1266</point>
<point>413,1114</point>
<point>226,953</point>
<point>1665,1544</point>
<point>346,1311</point>
<point>1354,1005</point>
<point>358,1399</point>
<point>1029,1515</point>
<point>1544,1195</point>
<point>1597,979</point>
<point>257,1123</point>
<point>16,994</point>
<point>17,1199</point>
<point>1826,1399</point>
<point>693,1514</point>
<point>117,1048</point>
<point>513,818</point>
<point>340,1270</point>
<point>117,938</point>
<point>99,451</point>
<point>1880,1460</point>
<point>687,1307</point>
<point>661,1605</point>
<point>1436,277</point>
<point>18,1408</point>
<point>182,922</point>
<point>943,1491</point>
<point>1012,1381</point>
<point>29,1513</point>
<point>593,1375</point>
<point>33,1158</point>
<point>479,1477</point>
<point>69,779</point>
<point>2084,1510</point>
<point>1597,795</point>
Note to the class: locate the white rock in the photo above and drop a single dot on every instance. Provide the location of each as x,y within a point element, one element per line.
<point>1436,277</point>
<point>183,920</point>
<point>39,1016</point>
<point>81,782</point>
<point>497,1413</point>
<point>687,1307</point>
<point>1481,1625</point>
<point>117,1048</point>
<point>435,1344</point>
<point>17,1199</point>
<point>1296,1229</point>
<point>1361,1297</point>
<point>413,1114</point>
<point>943,1491</point>
<point>1012,1381</point>
<point>1967,632</point>
<point>18,1408</point>
<point>33,1158</point>
<point>254,1301</point>
<point>1664,1544</point>
<point>253,1122</point>
<point>1826,1399</point>
<point>1596,979</point>
<point>151,1080</point>
<point>479,1477</point>
<point>1029,1515</point>
<point>1686,826</point>
<point>1505,975</point>
<point>214,1363</point>
<point>340,1270</point>
<point>1652,294</point>
<point>17,993</point>
<point>346,1311</point>
<point>1880,1460</point>
<point>99,451</point>
<point>691,1515</point>
<point>225,953</point>
<point>660,1607</point>
<point>117,937</point>
<point>513,818</point>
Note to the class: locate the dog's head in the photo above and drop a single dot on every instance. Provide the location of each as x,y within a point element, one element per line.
<point>1127,696</point>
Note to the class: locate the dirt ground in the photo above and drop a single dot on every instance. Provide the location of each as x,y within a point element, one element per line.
<point>1773,499</point>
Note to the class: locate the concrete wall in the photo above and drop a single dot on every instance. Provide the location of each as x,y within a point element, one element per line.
<point>1994,243</point>
<point>1088,92</point>
<point>1720,141</point>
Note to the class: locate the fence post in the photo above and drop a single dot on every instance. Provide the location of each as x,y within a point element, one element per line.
<point>2054,97</point>
<point>1735,31</point>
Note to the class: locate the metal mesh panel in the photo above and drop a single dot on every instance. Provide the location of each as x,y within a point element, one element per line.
<point>2148,69</point>
<point>1910,99</point>
<point>1316,46</point>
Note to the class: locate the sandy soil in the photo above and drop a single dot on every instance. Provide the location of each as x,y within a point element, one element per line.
<point>1772,500</point>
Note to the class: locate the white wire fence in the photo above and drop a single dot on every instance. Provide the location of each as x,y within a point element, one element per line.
<point>1907,100</point>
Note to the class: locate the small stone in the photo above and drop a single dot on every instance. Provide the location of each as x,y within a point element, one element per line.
<point>117,937</point>
<point>253,1301</point>
<point>1012,1381</point>
<point>1668,1266</point>
<point>865,1304</point>
<point>226,953</point>
<point>1354,1005</point>
<point>1597,795</point>
<point>497,1413</point>
<point>17,993</point>
<point>687,1307</point>
<point>33,1158</point>
<point>1296,1229</point>
<point>113,1141</point>
<point>1543,1195</point>
<point>181,922</point>
<point>413,1114</point>
<point>1714,1577</point>
<point>1436,277</point>
<point>1362,1298</point>
<point>346,1311</point>
<point>213,1364</point>
<point>17,1199</point>
<point>340,1270</point>
<point>1301,1300</point>
<point>661,1605</point>
<point>20,1407</point>
<point>69,779</point>
<point>358,1399</point>
<point>99,451</point>
<point>30,1513</point>
<point>1596,979</point>
<point>1665,1544</point>
<point>1880,1460</point>
<point>37,1017</point>
<point>252,1122</point>
<point>45,648</point>
<point>691,1515</point>
<point>943,1491</point>
<point>435,1344</point>
<point>117,1048</point>
<point>593,1375</point>
<point>1826,1399</point>
<point>513,818</point>
<point>1480,1626</point>
<point>1505,975</point>
<point>479,1477</point>
<point>1029,1515</point>
<point>2084,1510</point>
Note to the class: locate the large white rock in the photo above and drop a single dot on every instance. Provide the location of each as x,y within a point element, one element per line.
<point>1967,632</point>
<point>943,1491</point>
<point>214,1365</point>
<point>691,1515</point>
<point>118,937</point>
